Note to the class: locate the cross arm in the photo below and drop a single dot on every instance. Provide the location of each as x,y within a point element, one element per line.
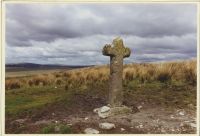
<point>107,50</point>
<point>127,52</point>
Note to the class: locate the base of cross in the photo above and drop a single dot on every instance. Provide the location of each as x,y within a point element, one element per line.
<point>107,111</point>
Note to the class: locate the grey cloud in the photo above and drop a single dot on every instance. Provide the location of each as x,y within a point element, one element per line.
<point>49,22</point>
<point>167,44</point>
<point>88,50</point>
<point>76,33</point>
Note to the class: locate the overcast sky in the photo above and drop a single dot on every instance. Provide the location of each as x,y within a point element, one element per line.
<point>74,34</point>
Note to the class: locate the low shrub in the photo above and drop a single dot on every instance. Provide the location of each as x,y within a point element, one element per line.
<point>12,84</point>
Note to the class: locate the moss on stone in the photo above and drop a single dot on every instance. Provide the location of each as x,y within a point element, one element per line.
<point>117,52</point>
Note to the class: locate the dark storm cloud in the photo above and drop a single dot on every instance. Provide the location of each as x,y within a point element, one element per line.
<point>49,22</point>
<point>75,33</point>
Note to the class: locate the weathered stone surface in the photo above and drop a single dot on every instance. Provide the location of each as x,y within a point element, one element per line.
<point>139,107</point>
<point>181,113</point>
<point>119,110</point>
<point>117,52</point>
<point>104,109</point>
<point>104,114</point>
<point>91,131</point>
<point>21,121</point>
<point>96,110</point>
<point>193,125</point>
<point>106,125</point>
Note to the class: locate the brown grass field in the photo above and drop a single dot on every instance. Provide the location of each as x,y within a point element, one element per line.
<point>62,94</point>
<point>182,71</point>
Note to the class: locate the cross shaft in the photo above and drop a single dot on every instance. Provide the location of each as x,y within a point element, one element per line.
<point>117,52</point>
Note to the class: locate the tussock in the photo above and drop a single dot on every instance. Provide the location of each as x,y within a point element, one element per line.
<point>184,71</point>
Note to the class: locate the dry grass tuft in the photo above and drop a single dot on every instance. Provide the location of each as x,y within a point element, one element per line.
<point>184,71</point>
<point>12,84</point>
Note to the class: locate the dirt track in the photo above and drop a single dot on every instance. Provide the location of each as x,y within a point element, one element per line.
<point>79,115</point>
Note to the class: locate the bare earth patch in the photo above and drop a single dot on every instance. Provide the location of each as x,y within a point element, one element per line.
<point>79,116</point>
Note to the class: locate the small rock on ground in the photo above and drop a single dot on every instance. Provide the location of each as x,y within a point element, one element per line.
<point>104,109</point>
<point>102,112</point>
<point>91,131</point>
<point>193,125</point>
<point>106,125</point>
<point>96,110</point>
<point>20,120</point>
<point>139,107</point>
<point>181,113</point>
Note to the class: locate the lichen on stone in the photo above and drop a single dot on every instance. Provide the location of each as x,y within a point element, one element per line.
<point>117,52</point>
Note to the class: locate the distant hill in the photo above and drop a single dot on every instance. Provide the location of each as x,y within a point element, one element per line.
<point>33,66</point>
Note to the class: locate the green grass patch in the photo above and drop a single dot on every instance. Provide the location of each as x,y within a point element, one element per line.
<point>56,129</point>
<point>27,99</point>
<point>169,94</point>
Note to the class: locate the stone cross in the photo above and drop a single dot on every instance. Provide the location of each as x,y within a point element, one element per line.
<point>117,52</point>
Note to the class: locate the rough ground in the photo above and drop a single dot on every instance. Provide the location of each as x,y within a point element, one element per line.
<point>79,115</point>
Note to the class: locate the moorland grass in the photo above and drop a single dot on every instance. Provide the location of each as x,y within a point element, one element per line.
<point>163,72</point>
<point>29,99</point>
<point>62,129</point>
<point>170,84</point>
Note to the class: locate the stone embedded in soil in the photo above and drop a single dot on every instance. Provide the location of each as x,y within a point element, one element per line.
<point>172,129</point>
<point>122,129</point>
<point>172,116</point>
<point>120,110</point>
<point>57,122</point>
<point>106,125</point>
<point>21,121</point>
<point>69,124</point>
<point>104,109</point>
<point>103,115</point>
<point>181,113</point>
<point>139,107</point>
<point>139,126</point>
<point>103,112</point>
<point>91,131</point>
<point>96,110</point>
<point>53,114</point>
<point>193,125</point>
